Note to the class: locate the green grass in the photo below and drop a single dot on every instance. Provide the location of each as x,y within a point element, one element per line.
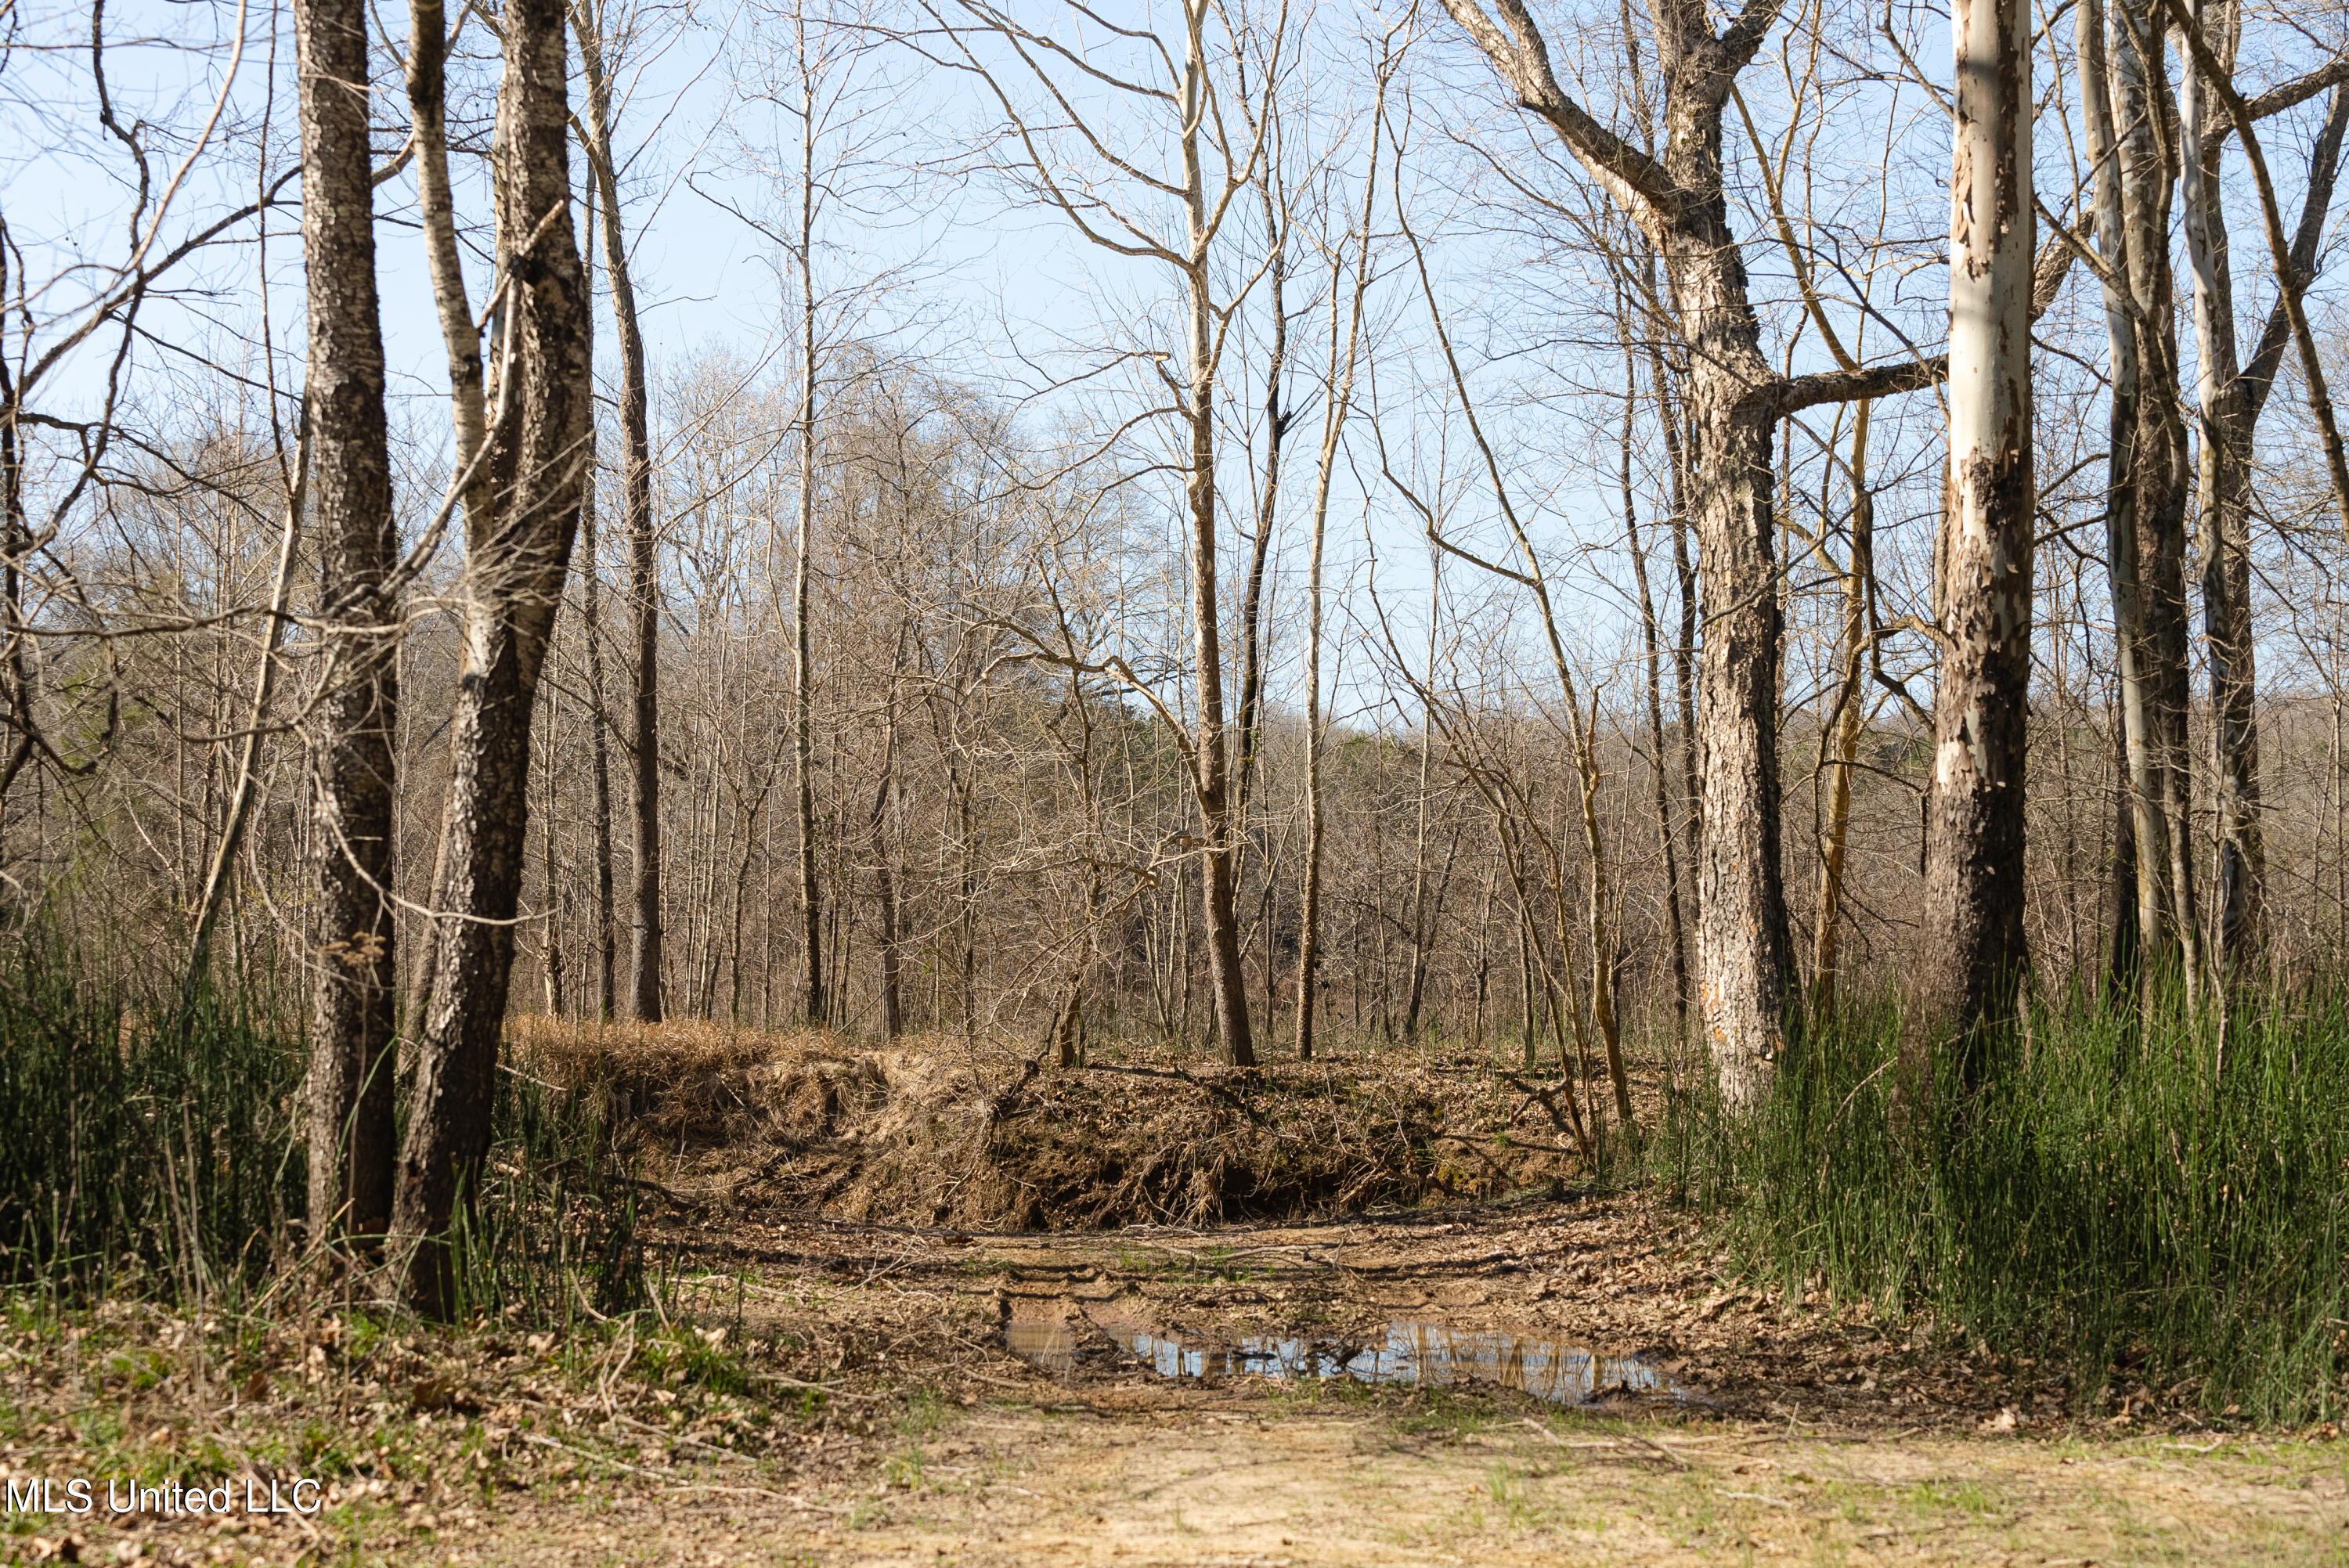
<point>143,1141</point>
<point>151,1146</point>
<point>554,1229</point>
<point>2142,1205</point>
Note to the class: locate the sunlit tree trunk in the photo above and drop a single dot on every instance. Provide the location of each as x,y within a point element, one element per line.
<point>2141,866</point>
<point>515,557</point>
<point>1975,954</point>
<point>349,499</point>
<point>1733,400</point>
<point>1743,959</point>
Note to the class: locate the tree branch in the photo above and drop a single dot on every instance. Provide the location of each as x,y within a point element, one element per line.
<point>2320,399</point>
<point>1794,394</point>
<point>2289,95</point>
<point>1522,62</point>
<point>2316,206</point>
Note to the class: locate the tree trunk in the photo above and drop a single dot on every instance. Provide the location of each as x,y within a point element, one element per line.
<point>515,562</point>
<point>646,933</point>
<point>1309,903</point>
<point>1675,929</point>
<point>1742,934</point>
<point>1211,760</point>
<point>1685,648</point>
<point>813,1002</point>
<point>2222,493</point>
<point>1974,952</point>
<point>1277,422</point>
<point>350,1088</point>
<point>1733,400</point>
<point>591,582</point>
<point>1422,928</point>
<point>2147,183</point>
<point>2124,958</point>
<point>2232,399</point>
<point>2143,854</point>
<point>550,920</point>
<point>1826,947</point>
<point>607,957</point>
<point>437,218</point>
<point>1339,402</point>
<point>2146,504</point>
<point>892,1010</point>
<point>1597,926</point>
<point>461,342</point>
<point>264,683</point>
<point>1742,954</point>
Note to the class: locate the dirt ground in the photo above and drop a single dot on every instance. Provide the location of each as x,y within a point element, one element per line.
<point>822,1392</point>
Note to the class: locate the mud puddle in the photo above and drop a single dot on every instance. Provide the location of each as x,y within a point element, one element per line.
<point>1406,1351</point>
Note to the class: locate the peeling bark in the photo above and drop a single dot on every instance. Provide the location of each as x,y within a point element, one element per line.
<point>1974,952</point>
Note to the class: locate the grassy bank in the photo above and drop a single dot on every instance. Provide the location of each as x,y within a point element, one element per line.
<point>2165,1209</point>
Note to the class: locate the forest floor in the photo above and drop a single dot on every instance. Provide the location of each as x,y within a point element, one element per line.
<point>1565,1381</point>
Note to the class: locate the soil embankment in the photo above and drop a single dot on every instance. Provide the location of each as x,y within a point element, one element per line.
<point>937,1132</point>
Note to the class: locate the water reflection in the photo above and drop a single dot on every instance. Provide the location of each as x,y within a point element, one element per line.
<point>1049,1346</point>
<point>1407,1352</point>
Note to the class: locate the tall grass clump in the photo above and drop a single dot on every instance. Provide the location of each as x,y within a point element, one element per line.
<point>145,1141</point>
<point>2171,1201</point>
<point>552,1231</point>
<point>151,1144</point>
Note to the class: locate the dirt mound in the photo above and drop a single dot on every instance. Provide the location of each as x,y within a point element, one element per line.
<point>935,1132</point>
<point>698,1086</point>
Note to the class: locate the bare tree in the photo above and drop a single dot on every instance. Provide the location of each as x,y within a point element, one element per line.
<point>517,550</point>
<point>1667,838</point>
<point>1733,401</point>
<point>2145,475</point>
<point>813,1002</point>
<point>591,618</point>
<point>1532,574</point>
<point>351,501</point>
<point>1212,169</point>
<point>351,1110</point>
<point>1338,401</point>
<point>600,35</point>
<point>838,177</point>
<point>1975,954</point>
<point>2230,398</point>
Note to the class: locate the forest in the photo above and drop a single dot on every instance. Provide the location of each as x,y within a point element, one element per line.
<point>747,745</point>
